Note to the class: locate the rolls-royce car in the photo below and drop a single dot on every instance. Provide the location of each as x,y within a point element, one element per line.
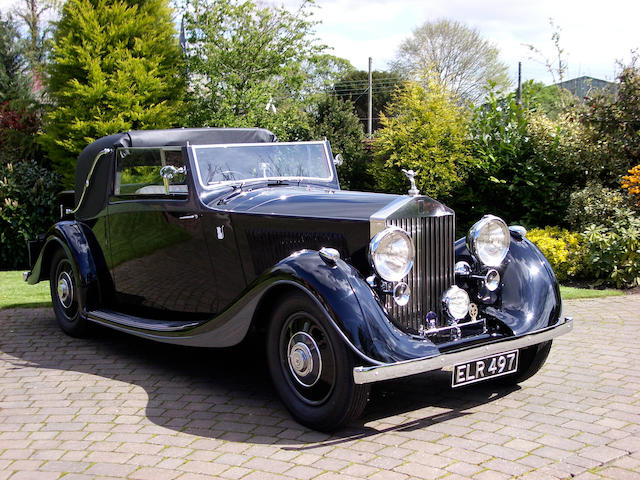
<point>204,236</point>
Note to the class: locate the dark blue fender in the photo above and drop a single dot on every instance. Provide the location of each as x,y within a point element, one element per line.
<point>351,306</point>
<point>78,242</point>
<point>529,298</point>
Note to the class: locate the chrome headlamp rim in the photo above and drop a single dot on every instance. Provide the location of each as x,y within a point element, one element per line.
<point>447,296</point>
<point>474,234</point>
<point>374,245</point>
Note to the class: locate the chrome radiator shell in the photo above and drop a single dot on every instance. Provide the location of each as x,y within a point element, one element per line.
<point>431,225</point>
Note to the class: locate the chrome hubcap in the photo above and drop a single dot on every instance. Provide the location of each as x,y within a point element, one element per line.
<point>304,359</point>
<point>65,289</point>
<point>300,359</point>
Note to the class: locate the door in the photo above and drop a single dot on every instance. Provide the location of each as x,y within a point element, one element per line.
<point>159,258</point>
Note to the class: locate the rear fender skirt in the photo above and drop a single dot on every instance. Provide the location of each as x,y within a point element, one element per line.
<point>529,299</point>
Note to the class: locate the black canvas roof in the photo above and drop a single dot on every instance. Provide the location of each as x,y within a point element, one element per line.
<point>95,197</point>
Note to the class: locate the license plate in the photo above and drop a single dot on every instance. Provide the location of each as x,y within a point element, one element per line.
<point>484,368</point>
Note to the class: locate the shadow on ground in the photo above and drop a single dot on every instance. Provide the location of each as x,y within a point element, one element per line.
<point>224,393</point>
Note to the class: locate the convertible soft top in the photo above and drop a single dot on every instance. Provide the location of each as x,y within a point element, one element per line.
<point>95,198</point>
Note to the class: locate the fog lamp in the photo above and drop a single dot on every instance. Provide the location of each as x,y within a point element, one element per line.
<point>492,280</point>
<point>401,294</point>
<point>456,302</point>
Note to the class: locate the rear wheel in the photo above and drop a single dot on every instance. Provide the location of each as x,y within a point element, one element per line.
<point>311,367</point>
<point>66,295</point>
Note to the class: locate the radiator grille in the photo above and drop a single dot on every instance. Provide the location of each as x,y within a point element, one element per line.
<point>432,272</point>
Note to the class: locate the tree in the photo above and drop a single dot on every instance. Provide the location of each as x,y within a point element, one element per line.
<point>19,113</point>
<point>426,132</point>
<point>460,58</point>
<point>32,13</point>
<point>615,123</point>
<point>354,87</point>
<point>115,66</point>
<point>251,65</point>
<point>527,164</point>
<point>334,119</point>
<point>14,76</point>
<point>551,100</point>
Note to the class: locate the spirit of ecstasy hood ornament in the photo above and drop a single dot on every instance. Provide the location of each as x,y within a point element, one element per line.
<point>410,174</point>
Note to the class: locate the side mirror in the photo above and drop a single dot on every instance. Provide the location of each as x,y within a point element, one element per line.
<point>338,160</point>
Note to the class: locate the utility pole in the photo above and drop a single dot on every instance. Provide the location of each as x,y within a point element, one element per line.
<point>370,119</point>
<point>519,96</point>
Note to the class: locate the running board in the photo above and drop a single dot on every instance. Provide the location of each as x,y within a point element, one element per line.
<point>111,318</point>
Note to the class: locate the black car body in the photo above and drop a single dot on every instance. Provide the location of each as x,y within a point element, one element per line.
<point>200,236</point>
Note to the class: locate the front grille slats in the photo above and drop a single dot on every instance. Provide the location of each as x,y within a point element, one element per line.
<point>432,272</point>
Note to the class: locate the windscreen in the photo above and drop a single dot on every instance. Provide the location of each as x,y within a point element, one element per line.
<point>235,163</point>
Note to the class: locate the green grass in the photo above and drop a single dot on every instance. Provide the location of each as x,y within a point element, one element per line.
<point>15,293</point>
<point>571,293</point>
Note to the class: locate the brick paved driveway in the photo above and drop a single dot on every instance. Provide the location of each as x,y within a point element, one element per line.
<point>113,406</point>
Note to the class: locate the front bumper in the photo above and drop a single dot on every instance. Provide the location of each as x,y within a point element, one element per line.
<point>388,371</point>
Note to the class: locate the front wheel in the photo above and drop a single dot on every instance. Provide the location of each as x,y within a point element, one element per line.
<point>311,366</point>
<point>66,295</point>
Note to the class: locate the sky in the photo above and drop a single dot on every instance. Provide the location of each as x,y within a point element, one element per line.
<point>593,34</point>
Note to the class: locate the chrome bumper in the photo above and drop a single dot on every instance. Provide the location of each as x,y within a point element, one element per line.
<point>388,371</point>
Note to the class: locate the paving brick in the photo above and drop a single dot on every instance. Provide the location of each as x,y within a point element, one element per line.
<point>112,407</point>
<point>147,473</point>
<point>415,470</point>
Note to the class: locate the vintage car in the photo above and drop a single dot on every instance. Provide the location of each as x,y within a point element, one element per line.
<point>201,236</point>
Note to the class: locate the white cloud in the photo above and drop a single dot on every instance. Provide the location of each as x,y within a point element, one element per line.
<point>593,34</point>
<point>7,5</point>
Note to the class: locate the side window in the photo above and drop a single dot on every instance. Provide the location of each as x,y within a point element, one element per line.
<point>150,171</point>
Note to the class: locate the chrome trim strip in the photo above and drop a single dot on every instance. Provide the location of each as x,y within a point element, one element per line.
<point>388,371</point>
<point>109,318</point>
<point>86,182</point>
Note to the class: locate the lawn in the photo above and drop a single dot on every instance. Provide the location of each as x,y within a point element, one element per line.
<point>14,292</point>
<point>570,293</point>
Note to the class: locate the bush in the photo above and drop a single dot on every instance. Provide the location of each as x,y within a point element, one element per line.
<point>613,250</point>
<point>28,205</point>
<point>563,249</point>
<point>424,131</point>
<point>594,205</point>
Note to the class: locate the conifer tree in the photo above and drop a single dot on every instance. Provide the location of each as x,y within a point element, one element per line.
<point>115,66</point>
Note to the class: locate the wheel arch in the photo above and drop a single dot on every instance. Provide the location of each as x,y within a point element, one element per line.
<point>345,299</point>
<point>72,238</point>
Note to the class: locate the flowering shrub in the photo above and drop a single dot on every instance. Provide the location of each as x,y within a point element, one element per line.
<point>563,249</point>
<point>631,182</point>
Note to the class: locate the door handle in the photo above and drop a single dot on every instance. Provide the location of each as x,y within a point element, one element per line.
<point>189,217</point>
